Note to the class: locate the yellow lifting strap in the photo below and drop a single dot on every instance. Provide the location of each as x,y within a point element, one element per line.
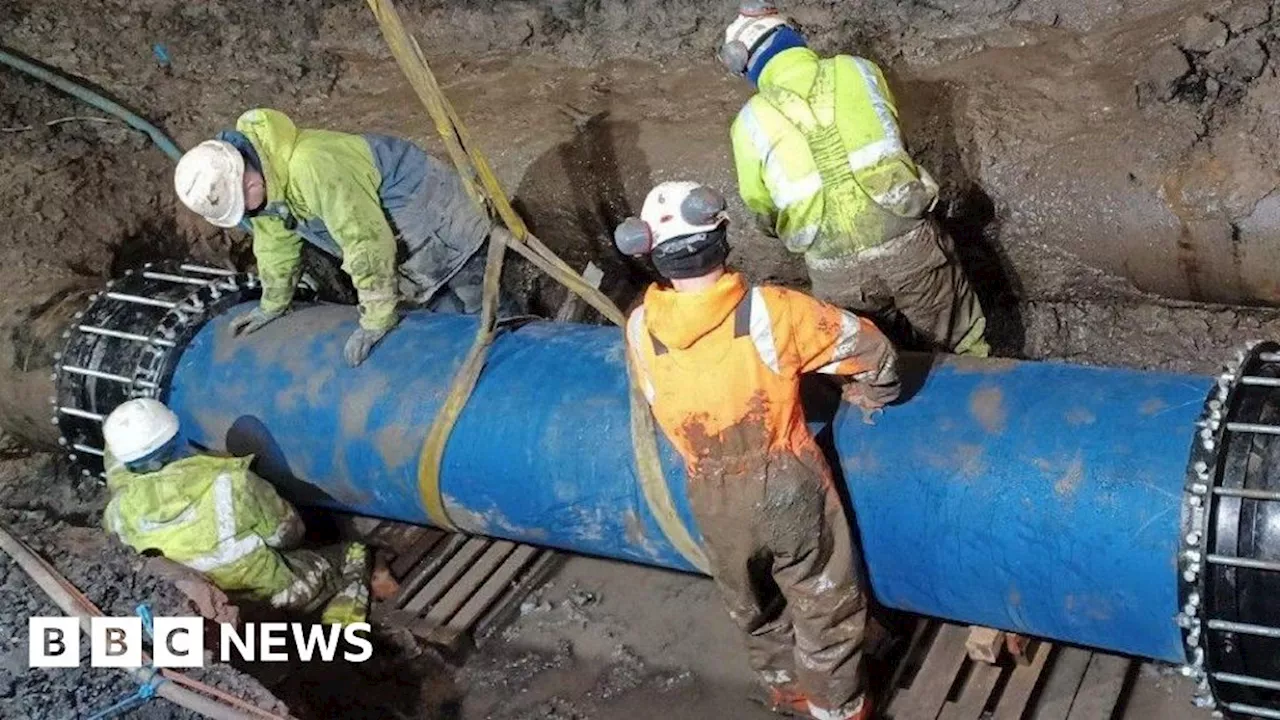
<point>471,164</point>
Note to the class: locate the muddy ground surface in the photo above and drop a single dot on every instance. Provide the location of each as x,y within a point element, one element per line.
<point>1107,164</point>
<point>1098,158</point>
<point>601,641</point>
<point>606,641</point>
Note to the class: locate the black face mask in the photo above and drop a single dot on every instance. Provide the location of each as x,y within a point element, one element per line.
<point>241,142</point>
<point>692,257</point>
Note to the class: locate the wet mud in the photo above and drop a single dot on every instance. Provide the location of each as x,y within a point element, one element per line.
<point>1099,160</point>
<point>1108,173</point>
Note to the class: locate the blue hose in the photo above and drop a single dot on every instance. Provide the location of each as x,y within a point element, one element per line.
<point>163,141</point>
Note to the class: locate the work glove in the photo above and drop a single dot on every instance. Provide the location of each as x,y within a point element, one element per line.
<point>767,224</point>
<point>360,344</point>
<point>856,393</point>
<point>253,321</point>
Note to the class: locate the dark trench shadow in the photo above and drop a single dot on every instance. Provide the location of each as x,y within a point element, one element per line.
<point>965,210</point>
<point>158,239</point>
<point>573,197</point>
<point>973,223</point>
<point>249,436</point>
<point>392,684</point>
<point>333,285</point>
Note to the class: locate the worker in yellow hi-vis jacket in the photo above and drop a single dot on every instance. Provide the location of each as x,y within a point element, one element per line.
<point>821,162</point>
<point>214,515</point>
<point>400,220</point>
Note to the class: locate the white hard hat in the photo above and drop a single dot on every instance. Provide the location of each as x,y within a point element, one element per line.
<point>210,181</point>
<point>677,209</point>
<point>139,427</point>
<point>755,22</point>
<point>672,210</point>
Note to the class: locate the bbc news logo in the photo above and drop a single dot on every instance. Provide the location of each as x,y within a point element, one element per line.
<point>178,642</point>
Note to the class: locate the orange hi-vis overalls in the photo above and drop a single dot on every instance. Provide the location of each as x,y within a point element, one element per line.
<point>721,369</point>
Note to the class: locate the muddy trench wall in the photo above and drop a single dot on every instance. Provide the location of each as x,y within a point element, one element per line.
<point>1104,162</point>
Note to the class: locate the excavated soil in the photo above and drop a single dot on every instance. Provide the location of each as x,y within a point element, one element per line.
<point>1109,169</point>
<point>1097,157</point>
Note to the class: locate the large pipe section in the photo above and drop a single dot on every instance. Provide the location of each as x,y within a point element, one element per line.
<point>541,454</point>
<point>1125,510</point>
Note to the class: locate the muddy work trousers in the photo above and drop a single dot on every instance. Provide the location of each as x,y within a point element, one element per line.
<point>463,292</point>
<point>914,277</point>
<point>333,577</point>
<point>781,552</point>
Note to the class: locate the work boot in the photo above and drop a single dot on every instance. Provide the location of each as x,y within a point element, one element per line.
<point>788,700</point>
<point>859,709</point>
<point>351,604</point>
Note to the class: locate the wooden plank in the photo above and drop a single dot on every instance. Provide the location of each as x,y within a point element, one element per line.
<point>973,698</point>
<point>1061,683</point>
<point>498,583</point>
<point>405,561</point>
<point>914,650</point>
<point>469,582</point>
<point>426,569</point>
<point>984,644</point>
<point>467,623</point>
<point>1100,690</point>
<point>928,692</point>
<point>397,618</point>
<point>1021,685</point>
<point>1016,646</point>
<point>543,566</point>
<point>452,570</point>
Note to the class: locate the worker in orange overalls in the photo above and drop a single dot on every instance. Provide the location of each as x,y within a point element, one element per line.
<point>720,363</point>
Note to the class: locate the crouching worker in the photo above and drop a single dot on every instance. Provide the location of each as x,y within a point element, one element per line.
<point>720,363</point>
<point>400,220</point>
<point>213,515</point>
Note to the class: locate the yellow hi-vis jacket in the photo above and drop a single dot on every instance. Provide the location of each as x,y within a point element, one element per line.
<point>392,213</point>
<point>819,153</point>
<point>211,514</point>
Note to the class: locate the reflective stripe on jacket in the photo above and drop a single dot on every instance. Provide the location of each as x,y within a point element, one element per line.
<point>210,514</point>
<point>721,368</point>
<point>358,197</point>
<point>818,152</point>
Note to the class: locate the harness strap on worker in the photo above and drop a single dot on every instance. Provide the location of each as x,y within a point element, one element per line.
<point>846,192</point>
<point>814,117</point>
<point>466,158</point>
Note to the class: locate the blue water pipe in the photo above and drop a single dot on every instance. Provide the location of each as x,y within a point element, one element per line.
<point>1037,497</point>
<point>541,453</point>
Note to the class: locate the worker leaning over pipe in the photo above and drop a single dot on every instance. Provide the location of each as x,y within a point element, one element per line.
<point>720,363</point>
<point>214,515</point>
<point>401,220</point>
<point>821,162</point>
